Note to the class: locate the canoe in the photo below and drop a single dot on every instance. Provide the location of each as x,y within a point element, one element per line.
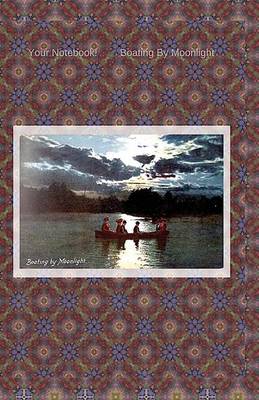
<point>131,236</point>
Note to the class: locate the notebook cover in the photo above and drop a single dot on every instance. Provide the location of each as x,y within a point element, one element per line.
<point>46,351</point>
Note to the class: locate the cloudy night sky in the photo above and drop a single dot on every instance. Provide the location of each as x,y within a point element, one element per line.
<point>107,164</point>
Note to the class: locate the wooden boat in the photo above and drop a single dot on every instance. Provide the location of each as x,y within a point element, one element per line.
<point>131,236</point>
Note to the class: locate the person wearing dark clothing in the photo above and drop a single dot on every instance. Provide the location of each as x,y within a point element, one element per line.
<point>119,225</point>
<point>123,227</point>
<point>136,243</point>
<point>136,228</point>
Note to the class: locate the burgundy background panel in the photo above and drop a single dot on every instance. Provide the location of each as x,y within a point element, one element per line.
<point>130,338</point>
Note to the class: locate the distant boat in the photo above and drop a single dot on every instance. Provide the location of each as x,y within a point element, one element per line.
<point>131,236</point>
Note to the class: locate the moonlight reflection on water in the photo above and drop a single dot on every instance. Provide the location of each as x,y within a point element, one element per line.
<point>194,242</point>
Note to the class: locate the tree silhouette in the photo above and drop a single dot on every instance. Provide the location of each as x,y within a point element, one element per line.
<point>142,202</point>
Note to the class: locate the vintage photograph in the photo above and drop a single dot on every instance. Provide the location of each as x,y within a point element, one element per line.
<point>121,201</point>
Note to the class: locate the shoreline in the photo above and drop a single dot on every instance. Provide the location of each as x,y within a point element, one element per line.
<point>147,218</point>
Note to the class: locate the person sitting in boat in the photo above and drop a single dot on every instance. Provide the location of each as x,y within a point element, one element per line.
<point>161,225</point>
<point>106,225</point>
<point>123,227</point>
<point>136,228</point>
<point>119,224</point>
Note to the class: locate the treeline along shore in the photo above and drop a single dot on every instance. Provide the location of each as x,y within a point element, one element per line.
<point>141,202</point>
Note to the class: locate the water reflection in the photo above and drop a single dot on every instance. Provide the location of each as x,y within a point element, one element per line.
<point>105,247</point>
<point>121,244</point>
<point>133,253</point>
<point>192,243</point>
<point>161,243</point>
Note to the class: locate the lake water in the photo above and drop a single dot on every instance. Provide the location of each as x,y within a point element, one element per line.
<point>67,239</point>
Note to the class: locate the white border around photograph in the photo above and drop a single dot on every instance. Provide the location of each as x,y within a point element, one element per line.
<point>19,131</point>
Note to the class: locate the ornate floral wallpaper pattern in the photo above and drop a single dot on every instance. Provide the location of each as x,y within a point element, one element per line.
<point>171,339</point>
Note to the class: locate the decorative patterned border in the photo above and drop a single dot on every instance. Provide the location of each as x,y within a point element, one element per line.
<point>142,304</point>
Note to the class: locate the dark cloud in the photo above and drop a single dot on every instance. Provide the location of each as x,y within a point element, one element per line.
<point>206,157</point>
<point>210,146</point>
<point>42,177</point>
<point>144,159</point>
<point>81,159</point>
<point>46,140</point>
<point>169,166</point>
<point>209,167</point>
<point>212,139</point>
<point>174,165</point>
<point>178,139</point>
<point>198,164</point>
<point>210,151</point>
